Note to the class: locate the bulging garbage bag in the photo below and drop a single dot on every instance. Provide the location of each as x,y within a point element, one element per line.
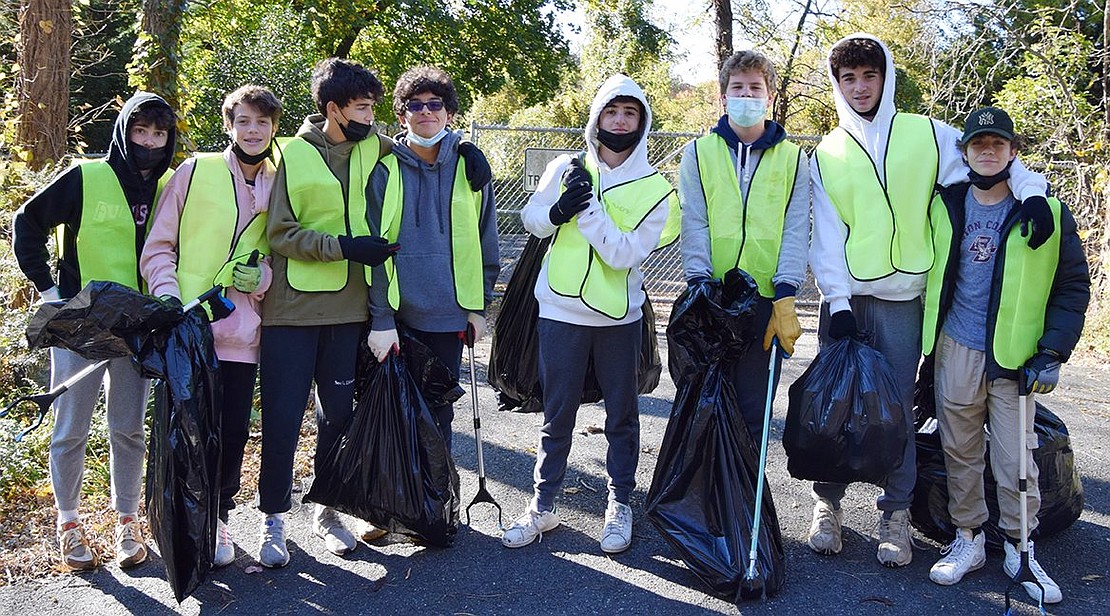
<point>845,422</point>
<point>391,466</point>
<point>1059,482</point>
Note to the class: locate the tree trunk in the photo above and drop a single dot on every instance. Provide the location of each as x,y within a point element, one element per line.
<point>1106,71</point>
<point>722,15</point>
<point>157,49</point>
<point>42,88</point>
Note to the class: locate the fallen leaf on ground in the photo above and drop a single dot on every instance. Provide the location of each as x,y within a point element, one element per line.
<point>571,490</point>
<point>252,569</point>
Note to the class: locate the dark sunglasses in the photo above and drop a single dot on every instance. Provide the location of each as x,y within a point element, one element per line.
<point>417,106</point>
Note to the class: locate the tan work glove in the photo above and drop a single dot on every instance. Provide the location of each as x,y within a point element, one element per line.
<point>783,325</point>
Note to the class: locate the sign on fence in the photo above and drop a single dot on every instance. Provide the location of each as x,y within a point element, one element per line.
<point>535,161</point>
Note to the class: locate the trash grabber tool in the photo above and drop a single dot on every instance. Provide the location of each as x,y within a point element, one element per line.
<point>1024,572</point>
<point>752,554</point>
<point>44,400</point>
<point>483,495</point>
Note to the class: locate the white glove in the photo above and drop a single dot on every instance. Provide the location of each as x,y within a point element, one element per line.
<point>381,342</point>
<point>51,295</point>
<point>479,323</point>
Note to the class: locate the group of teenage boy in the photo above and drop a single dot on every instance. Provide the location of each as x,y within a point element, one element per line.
<point>923,239</point>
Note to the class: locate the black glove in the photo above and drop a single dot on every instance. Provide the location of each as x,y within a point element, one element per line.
<point>367,249</point>
<point>572,201</point>
<point>1035,211</point>
<point>171,302</point>
<point>478,173</point>
<point>1042,372</point>
<point>842,325</point>
<point>575,174</point>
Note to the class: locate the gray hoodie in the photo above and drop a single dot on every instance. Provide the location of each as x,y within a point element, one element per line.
<point>423,264</point>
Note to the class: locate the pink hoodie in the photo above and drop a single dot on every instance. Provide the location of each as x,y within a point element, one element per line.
<point>236,336</point>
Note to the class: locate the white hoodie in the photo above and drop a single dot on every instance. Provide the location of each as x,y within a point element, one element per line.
<point>826,256</point>
<point>619,249</point>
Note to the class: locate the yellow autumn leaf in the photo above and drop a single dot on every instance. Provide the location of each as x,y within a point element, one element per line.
<point>46,25</point>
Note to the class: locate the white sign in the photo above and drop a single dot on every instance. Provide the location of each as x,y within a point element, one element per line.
<point>535,161</point>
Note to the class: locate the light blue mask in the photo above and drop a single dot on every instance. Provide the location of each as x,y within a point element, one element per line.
<point>744,111</point>
<point>415,139</point>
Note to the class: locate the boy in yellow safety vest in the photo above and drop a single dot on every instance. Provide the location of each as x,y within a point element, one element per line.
<point>100,209</point>
<point>607,210</point>
<point>745,203</point>
<point>996,310</point>
<point>873,177</point>
<point>211,217</point>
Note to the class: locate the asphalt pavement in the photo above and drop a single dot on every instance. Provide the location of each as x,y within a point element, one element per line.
<point>566,572</point>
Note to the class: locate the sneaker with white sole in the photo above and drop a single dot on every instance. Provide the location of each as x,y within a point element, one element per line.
<point>617,534</point>
<point>273,552</point>
<point>965,554</point>
<point>76,552</point>
<point>895,542</point>
<point>529,527</point>
<point>327,526</point>
<point>1011,564</point>
<point>225,548</point>
<point>130,547</point>
<point>824,531</point>
<point>368,532</point>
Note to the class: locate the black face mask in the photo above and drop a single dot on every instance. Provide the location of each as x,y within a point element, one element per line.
<point>987,182</point>
<point>252,159</point>
<point>354,130</point>
<point>618,143</point>
<point>146,158</point>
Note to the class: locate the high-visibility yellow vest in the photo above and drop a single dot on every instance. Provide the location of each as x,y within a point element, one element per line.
<point>1027,277</point>
<point>466,241</point>
<point>741,236</point>
<point>208,247</point>
<point>319,203</point>
<point>106,248</point>
<point>574,267</point>
<point>888,227</point>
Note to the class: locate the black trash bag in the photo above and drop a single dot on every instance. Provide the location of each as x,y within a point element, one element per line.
<point>183,456</point>
<point>434,379</point>
<point>105,320</point>
<point>845,422</point>
<point>1061,489</point>
<point>514,363</point>
<point>391,466</point>
<point>702,494</point>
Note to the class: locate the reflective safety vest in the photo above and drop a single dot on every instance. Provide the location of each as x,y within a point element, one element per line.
<point>888,226</point>
<point>740,236</point>
<point>319,203</point>
<point>574,268</point>
<point>1018,305</point>
<point>208,247</point>
<point>466,242</point>
<point>105,240</point>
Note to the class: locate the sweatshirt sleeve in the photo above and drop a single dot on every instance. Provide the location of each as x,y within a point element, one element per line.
<point>791,270</point>
<point>536,213</point>
<point>158,261</point>
<point>694,244</point>
<point>58,203</point>
<point>1071,292</point>
<point>381,314</point>
<point>287,237</point>
<point>623,249</point>
<point>826,253</point>
<point>487,233</point>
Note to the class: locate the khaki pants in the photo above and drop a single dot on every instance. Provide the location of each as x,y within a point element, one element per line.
<point>965,402</point>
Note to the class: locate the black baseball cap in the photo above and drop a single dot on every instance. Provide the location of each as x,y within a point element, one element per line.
<point>988,120</point>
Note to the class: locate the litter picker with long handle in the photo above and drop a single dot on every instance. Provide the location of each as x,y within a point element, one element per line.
<point>483,495</point>
<point>1024,573</point>
<point>753,554</point>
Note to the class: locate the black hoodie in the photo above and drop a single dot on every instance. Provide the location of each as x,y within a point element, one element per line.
<point>60,203</point>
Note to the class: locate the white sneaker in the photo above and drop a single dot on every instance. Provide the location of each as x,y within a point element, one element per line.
<point>225,549</point>
<point>824,531</point>
<point>529,527</point>
<point>76,552</point>
<point>1011,564</point>
<point>964,555</point>
<point>368,532</point>
<point>895,542</point>
<point>130,547</point>
<point>617,534</point>
<point>273,552</point>
<point>327,526</point>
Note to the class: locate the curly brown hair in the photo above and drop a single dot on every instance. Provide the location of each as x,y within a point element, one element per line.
<point>857,52</point>
<point>420,79</point>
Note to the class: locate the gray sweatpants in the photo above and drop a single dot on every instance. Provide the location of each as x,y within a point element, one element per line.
<point>126,393</point>
<point>897,330</point>
<point>564,352</point>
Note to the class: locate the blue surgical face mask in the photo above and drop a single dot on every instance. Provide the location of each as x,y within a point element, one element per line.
<point>745,111</point>
<point>428,142</point>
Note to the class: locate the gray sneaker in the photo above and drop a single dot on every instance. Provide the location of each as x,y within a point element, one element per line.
<point>895,548</point>
<point>327,526</point>
<point>273,553</point>
<point>1012,563</point>
<point>76,552</point>
<point>964,555</point>
<point>617,534</point>
<point>225,548</point>
<point>529,527</point>
<point>824,531</point>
